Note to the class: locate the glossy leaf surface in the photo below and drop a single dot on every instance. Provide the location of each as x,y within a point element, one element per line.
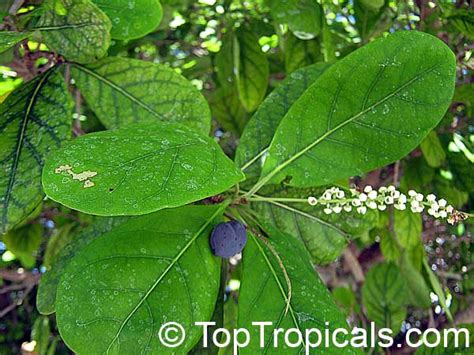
<point>159,269</point>
<point>138,169</point>
<point>261,128</point>
<point>264,292</point>
<point>131,19</point>
<point>302,16</point>
<point>46,296</point>
<point>368,110</point>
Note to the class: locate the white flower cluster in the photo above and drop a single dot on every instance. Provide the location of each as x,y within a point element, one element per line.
<point>336,200</point>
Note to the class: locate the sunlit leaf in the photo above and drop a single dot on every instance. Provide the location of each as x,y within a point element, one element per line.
<point>264,294</point>
<point>243,65</point>
<point>131,19</point>
<point>302,16</point>
<point>366,111</point>
<point>160,269</point>
<point>46,296</point>
<point>138,169</point>
<point>259,131</point>
<point>24,243</point>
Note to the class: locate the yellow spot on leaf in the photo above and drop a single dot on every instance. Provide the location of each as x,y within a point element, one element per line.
<point>83,176</point>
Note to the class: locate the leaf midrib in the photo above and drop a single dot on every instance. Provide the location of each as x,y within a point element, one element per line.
<point>328,133</point>
<point>277,280</point>
<point>165,272</point>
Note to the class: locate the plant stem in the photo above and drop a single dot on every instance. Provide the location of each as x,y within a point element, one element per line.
<point>253,160</point>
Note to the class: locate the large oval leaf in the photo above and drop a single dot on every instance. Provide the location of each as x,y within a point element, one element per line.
<point>76,29</point>
<point>116,293</point>
<point>131,19</point>
<point>366,111</point>
<point>34,120</point>
<point>138,169</point>
<point>261,128</point>
<point>264,294</point>
<point>122,91</point>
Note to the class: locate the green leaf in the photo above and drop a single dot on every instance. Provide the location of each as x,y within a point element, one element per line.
<point>60,237</point>
<point>418,291</point>
<point>463,20</point>
<point>40,333</point>
<point>34,120</point>
<point>46,297</point>
<point>122,91</point>
<point>346,300</point>
<point>24,243</point>
<point>242,63</point>
<point>138,169</point>
<point>264,294</point>
<point>324,236</point>
<point>227,110</point>
<point>389,245</point>
<point>251,69</point>
<point>384,295</point>
<point>437,288</point>
<point>10,39</point>
<point>76,29</point>
<point>302,16</point>
<point>217,318</point>
<point>300,53</point>
<point>465,94</point>
<point>369,109</point>
<point>454,196</point>
<point>131,19</point>
<point>160,269</point>
<point>455,343</point>
<point>433,150</point>
<point>416,174</point>
<point>462,169</point>
<point>366,17</point>
<point>373,4</point>
<point>259,131</point>
<point>407,227</point>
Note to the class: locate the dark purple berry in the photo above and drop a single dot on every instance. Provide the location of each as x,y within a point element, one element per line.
<point>228,239</point>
